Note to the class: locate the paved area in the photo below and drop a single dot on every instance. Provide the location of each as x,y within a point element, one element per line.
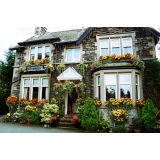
<point>16,128</point>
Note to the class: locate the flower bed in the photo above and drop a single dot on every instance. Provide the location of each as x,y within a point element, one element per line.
<point>32,111</point>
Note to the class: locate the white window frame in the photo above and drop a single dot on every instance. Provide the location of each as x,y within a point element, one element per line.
<point>132,73</point>
<point>121,36</point>
<point>119,84</point>
<point>137,84</point>
<point>116,85</point>
<point>98,79</point>
<point>40,77</point>
<point>43,51</point>
<point>73,59</point>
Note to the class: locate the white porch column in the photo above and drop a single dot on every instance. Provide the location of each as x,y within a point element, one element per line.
<point>66,104</point>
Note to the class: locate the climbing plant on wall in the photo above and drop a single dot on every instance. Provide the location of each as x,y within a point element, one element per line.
<point>82,69</point>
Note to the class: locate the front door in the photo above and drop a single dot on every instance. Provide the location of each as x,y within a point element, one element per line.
<point>71,108</point>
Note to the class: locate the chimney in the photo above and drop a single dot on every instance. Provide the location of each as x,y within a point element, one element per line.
<point>40,30</point>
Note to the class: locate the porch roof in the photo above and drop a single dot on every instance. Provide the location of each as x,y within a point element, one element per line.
<point>69,74</point>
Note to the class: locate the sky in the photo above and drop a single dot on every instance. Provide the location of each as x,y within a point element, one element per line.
<point>10,36</point>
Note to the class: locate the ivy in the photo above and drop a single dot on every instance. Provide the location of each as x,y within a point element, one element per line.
<point>82,69</point>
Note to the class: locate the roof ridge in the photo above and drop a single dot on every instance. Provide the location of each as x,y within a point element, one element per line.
<point>67,30</point>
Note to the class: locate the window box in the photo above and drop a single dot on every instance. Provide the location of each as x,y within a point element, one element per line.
<point>34,68</point>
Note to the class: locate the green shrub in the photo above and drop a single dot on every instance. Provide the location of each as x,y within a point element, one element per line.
<point>104,125</point>
<point>148,115</point>
<point>88,116</point>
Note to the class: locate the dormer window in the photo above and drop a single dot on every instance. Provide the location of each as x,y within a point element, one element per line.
<point>115,45</point>
<point>40,52</point>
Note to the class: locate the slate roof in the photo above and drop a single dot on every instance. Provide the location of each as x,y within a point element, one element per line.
<point>68,36</point>
<point>58,37</point>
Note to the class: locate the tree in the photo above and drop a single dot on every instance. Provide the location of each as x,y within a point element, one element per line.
<point>6,72</point>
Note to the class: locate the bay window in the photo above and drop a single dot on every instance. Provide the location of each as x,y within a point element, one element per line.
<point>117,84</point>
<point>111,45</point>
<point>35,87</point>
<point>73,55</point>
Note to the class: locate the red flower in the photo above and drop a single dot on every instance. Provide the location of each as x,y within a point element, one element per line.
<point>74,119</point>
<point>35,100</point>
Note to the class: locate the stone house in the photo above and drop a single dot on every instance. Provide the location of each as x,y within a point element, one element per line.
<point>87,45</point>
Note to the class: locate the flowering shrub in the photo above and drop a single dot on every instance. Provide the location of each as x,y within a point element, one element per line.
<point>81,89</point>
<point>35,101</point>
<point>12,100</point>
<point>140,103</point>
<point>49,67</point>
<point>119,115</point>
<point>30,108</point>
<point>81,101</point>
<point>122,102</point>
<point>50,113</point>
<point>97,102</point>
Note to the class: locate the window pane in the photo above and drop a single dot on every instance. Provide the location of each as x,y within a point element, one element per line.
<point>110,79</point>
<point>45,82</point>
<point>110,92</point>
<point>104,43</point>
<point>125,91</point>
<point>35,92</point>
<point>115,42</point>
<point>39,55</point>
<point>126,42</point>
<point>44,93</point>
<point>69,55</point>
<point>125,78</point>
<point>26,93</point>
<point>104,51</point>
<point>47,55</point>
<point>39,49</point>
<point>77,55</point>
<point>127,50</point>
<point>32,50</point>
<point>32,57</point>
<point>47,49</point>
<point>26,82</point>
<point>116,50</point>
<point>35,82</point>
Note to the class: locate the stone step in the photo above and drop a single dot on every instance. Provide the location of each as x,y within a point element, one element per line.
<point>65,120</point>
<point>65,124</point>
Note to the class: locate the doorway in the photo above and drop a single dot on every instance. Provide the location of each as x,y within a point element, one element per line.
<point>71,104</point>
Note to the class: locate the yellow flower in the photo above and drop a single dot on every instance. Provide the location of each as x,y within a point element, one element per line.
<point>8,114</point>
